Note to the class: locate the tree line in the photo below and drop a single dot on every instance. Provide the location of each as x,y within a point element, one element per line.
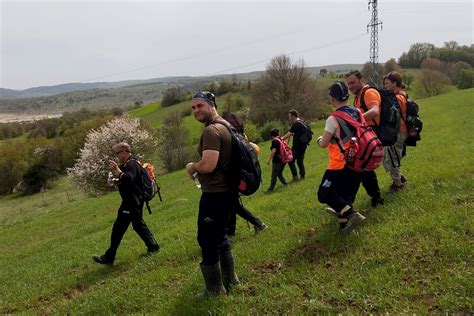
<point>53,145</point>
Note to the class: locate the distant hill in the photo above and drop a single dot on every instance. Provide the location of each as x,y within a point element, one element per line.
<point>71,87</point>
<point>44,91</point>
<point>123,94</point>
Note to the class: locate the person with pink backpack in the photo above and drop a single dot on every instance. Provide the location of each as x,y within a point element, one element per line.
<point>280,155</point>
<point>340,182</point>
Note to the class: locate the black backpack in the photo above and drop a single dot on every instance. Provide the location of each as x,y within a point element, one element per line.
<point>245,174</point>
<point>390,114</point>
<point>413,123</point>
<point>148,188</point>
<point>307,134</point>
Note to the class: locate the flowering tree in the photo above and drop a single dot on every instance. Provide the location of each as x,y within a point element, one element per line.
<point>91,169</point>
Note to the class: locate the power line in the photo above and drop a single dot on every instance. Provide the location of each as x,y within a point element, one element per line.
<point>336,43</point>
<point>204,53</point>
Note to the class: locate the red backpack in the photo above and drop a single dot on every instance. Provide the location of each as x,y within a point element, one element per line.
<point>286,154</point>
<point>368,149</point>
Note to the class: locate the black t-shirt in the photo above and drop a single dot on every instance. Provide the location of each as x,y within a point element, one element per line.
<point>297,128</point>
<point>276,144</point>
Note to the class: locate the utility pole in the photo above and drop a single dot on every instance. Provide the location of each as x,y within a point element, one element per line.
<point>374,44</point>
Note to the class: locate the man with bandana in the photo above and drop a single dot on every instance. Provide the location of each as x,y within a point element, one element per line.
<point>215,149</point>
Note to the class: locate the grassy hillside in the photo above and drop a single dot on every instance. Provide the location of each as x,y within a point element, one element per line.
<point>413,255</point>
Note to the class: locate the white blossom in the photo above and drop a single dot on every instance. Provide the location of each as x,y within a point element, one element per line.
<point>91,169</point>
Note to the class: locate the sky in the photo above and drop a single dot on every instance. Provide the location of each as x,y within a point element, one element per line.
<point>45,43</point>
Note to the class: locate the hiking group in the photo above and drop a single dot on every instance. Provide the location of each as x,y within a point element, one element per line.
<point>359,138</point>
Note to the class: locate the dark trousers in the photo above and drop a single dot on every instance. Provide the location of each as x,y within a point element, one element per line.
<point>277,172</point>
<point>123,220</point>
<point>370,183</point>
<point>242,211</point>
<point>213,217</point>
<point>338,188</point>
<point>298,159</point>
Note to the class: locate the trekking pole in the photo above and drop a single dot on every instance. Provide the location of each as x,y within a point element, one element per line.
<point>158,191</point>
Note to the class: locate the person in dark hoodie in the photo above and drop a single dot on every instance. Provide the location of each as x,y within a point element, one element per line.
<point>339,185</point>
<point>129,181</point>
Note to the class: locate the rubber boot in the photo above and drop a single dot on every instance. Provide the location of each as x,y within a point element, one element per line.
<point>229,277</point>
<point>213,280</point>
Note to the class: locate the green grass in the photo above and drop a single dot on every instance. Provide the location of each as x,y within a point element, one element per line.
<point>145,110</point>
<point>22,138</point>
<point>413,255</point>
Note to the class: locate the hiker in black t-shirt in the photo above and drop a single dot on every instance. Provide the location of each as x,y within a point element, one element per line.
<point>277,164</point>
<point>299,148</point>
<point>128,179</point>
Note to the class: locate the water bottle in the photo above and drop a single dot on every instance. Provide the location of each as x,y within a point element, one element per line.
<point>110,179</point>
<point>351,152</point>
<point>196,180</point>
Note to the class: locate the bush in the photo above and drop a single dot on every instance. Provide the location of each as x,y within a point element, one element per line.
<point>252,132</point>
<point>431,83</point>
<point>267,127</point>
<point>175,149</point>
<point>43,171</point>
<point>170,97</point>
<point>466,79</point>
<point>91,169</point>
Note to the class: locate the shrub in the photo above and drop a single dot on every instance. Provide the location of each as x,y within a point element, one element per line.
<point>91,169</point>
<point>174,144</point>
<point>431,83</point>
<point>43,171</point>
<point>267,127</point>
<point>252,133</point>
<point>466,79</point>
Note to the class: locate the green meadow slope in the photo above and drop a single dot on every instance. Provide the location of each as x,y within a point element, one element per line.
<point>415,254</point>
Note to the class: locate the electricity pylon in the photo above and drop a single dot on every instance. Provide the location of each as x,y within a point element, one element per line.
<point>374,44</point>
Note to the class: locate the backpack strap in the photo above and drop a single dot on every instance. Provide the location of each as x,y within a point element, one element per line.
<point>362,101</point>
<point>344,119</point>
<point>148,207</point>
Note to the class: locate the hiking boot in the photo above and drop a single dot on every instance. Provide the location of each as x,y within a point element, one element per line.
<point>342,223</point>
<point>213,280</point>
<point>295,179</point>
<point>403,179</point>
<point>153,250</point>
<point>103,260</point>
<point>229,277</point>
<point>394,187</point>
<point>354,220</point>
<point>269,191</point>
<point>376,201</point>
<point>332,211</point>
<point>260,228</point>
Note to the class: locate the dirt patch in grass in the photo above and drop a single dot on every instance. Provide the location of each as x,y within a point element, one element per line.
<point>466,200</point>
<point>268,267</point>
<point>311,251</point>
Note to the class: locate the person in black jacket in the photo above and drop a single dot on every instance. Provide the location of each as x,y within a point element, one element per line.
<point>296,131</point>
<point>129,182</point>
